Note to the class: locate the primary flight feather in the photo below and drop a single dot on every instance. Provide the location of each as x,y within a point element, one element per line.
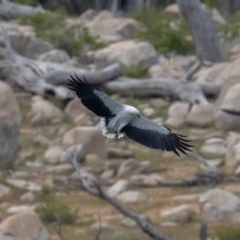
<point>118,119</point>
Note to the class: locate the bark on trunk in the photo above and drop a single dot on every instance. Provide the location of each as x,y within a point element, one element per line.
<point>203,30</point>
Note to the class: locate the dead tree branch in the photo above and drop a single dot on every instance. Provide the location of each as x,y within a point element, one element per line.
<point>194,69</point>
<point>95,190</point>
<point>163,87</point>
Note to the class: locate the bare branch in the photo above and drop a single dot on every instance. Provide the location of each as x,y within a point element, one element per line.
<point>195,68</point>
<point>203,231</point>
<point>95,190</point>
<point>99,229</point>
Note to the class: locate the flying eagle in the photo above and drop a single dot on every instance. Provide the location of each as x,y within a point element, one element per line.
<point>118,119</point>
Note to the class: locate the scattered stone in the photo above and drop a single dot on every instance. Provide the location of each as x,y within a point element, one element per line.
<point>177,114</point>
<point>43,111</point>
<point>180,214</point>
<point>187,198</point>
<point>109,173</point>
<point>127,222</point>
<point>146,180</point>
<point>41,140</point>
<point>23,184</point>
<point>24,225</point>
<point>111,29</point>
<point>129,168</point>
<point>133,197</point>
<point>119,187</point>
<point>148,112</point>
<point>65,168</point>
<point>54,154</point>
<point>10,119</point>
<point>114,152</point>
<point>128,53</point>
<point>214,147</point>
<point>173,9</point>
<point>200,115</point>
<point>79,114</point>
<point>220,206</point>
<point>93,160</point>
<point>28,197</point>
<point>233,150</point>
<point>101,226</point>
<point>166,70</point>
<point>20,208</point>
<point>55,55</point>
<point>90,138</point>
<point>5,192</point>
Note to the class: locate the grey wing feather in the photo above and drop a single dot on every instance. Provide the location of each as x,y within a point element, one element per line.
<point>156,136</point>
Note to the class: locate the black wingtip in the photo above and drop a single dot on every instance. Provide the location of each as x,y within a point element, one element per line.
<point>181,144</point>
<point>75,81</point>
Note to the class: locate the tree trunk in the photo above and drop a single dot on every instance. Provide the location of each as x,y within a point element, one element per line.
<point>202,27</point>
<point>229,7</point>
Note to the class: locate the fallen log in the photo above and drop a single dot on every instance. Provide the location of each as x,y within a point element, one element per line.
<point>168,88</point>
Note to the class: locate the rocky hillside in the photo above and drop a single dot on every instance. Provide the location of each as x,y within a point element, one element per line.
<point>43,127</point>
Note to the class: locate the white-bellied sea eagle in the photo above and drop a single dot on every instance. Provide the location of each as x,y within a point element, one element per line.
<point>118,119</point>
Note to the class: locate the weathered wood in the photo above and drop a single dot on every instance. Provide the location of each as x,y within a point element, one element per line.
<point>205,37</point>
<point>10,10</point>
<point>162,87</point>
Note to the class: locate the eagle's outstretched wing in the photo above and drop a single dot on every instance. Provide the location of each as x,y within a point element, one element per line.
<point>156,136</point>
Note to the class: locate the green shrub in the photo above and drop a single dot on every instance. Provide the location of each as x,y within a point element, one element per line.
<point>27,2</point>
<point>51,27</point>
<point>211,3</point>
<point>163,31</point>
<point>231,29</point>
<point>52,212</point>
<point>228,233</point>
<point>138,71</point>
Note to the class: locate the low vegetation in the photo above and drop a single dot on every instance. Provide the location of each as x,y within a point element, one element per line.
<point>51,27</point>
<point>228,233</point>
<point>164,32</point>
<point>138,71</point>
<point>52,211</point>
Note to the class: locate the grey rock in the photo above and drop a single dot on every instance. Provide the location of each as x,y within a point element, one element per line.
<point>200,115</point>
<point>214,147</point>
<point>114,152</point>
<point>133,197</point>
<point>10,119</point>
<point>180,214</point>
<point>119,187</point>
<point>55,154</point>
<point>5,192</point>
<point>23,226</point>
<point>28,197</point>
<point>128,53</point>
<point>220,206</point>
<point>90,138</point>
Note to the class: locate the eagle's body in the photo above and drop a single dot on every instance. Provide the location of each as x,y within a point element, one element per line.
<point>118,119</point>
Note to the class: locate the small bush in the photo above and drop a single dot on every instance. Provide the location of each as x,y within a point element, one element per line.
<point>164,32</point>
<point>51,27</point>
<point>138,71</point>
<point>52,212</point>
<point>231,29</point>
<point>228,233</point>
<point>211,3</point>
<point>27,2</point>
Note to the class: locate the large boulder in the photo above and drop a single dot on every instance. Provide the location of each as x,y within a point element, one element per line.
<point>200,115</point>
<point>23,226</point>
<point>228,99</point>
<point>10,119</point>
<point>177,114</point>
<point>128,53</point>
<point>90,138</point>
<point>55,55</point>
<point>43,112</point>
<point>112,29</point>
<point>220,206</point>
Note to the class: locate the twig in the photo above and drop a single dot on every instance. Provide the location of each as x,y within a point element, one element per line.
<point>95,190</point>
<point>99,229</point>
<point>203,231</point>
<point>58,229</point>
<point>195,68</point>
